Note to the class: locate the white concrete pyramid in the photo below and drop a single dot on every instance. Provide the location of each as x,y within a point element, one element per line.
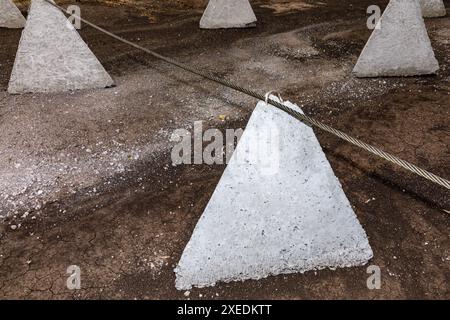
<point>228,14</point>
<point>400,47</point>
<point>283,212</point>
<point>433,8</point>
<point>10,15</point>
<point>52,57</point>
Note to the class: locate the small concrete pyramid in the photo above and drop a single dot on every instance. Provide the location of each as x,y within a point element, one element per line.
<point>433,8</point>
<point>400,47</point>
<point>285,213</point>
<point>10,15</point>
<point>228,14</point>
<point>52,57</point>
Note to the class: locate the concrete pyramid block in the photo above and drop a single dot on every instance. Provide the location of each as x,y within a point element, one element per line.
<point>433,8</point>
<point>10,15</point>
<point>52,57</point>
<point>284,213</point>
<point>400,47</point>
<point>228,14</point>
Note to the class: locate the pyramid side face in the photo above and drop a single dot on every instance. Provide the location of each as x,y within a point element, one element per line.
<point>227,14</point>
<point>10,15</point>
<point>284,214</point>
<point>433,8</point>
<point>400,47</point>
<point>52,57</point>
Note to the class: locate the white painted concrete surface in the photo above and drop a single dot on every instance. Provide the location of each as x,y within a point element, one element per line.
<point>401,47</point>
<point>433,8</point>
<point>10,15</point>
<point>228,14</point>
<point>285,213</point>
<point>52,57</point>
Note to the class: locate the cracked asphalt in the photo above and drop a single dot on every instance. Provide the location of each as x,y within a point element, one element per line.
<point>90,182</point>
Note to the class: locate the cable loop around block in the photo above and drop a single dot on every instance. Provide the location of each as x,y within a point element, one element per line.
<point>271,92</point>
<point>296,114</point>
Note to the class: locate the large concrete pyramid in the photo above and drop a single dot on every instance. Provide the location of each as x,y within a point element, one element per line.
<point>400,47</point>
<point>283,212</point>
<point>433,8</point>
<point>52,57</point>
<point>228,14</point>
<point>10,15</point>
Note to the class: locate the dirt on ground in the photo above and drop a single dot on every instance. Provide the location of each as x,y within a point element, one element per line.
<point>86,177</point>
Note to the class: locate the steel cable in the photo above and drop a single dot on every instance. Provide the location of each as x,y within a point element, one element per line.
<point>302,117</point>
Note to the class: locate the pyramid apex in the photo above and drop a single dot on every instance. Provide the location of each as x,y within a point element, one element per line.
<point>10,15</point>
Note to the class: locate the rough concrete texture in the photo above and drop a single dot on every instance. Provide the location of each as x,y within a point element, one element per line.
<point>433,8</point>
<point>260,223</point>
<point>52,57</point>
<point>228,14</point>
<point>10,15</point>
<point>400,47</point>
